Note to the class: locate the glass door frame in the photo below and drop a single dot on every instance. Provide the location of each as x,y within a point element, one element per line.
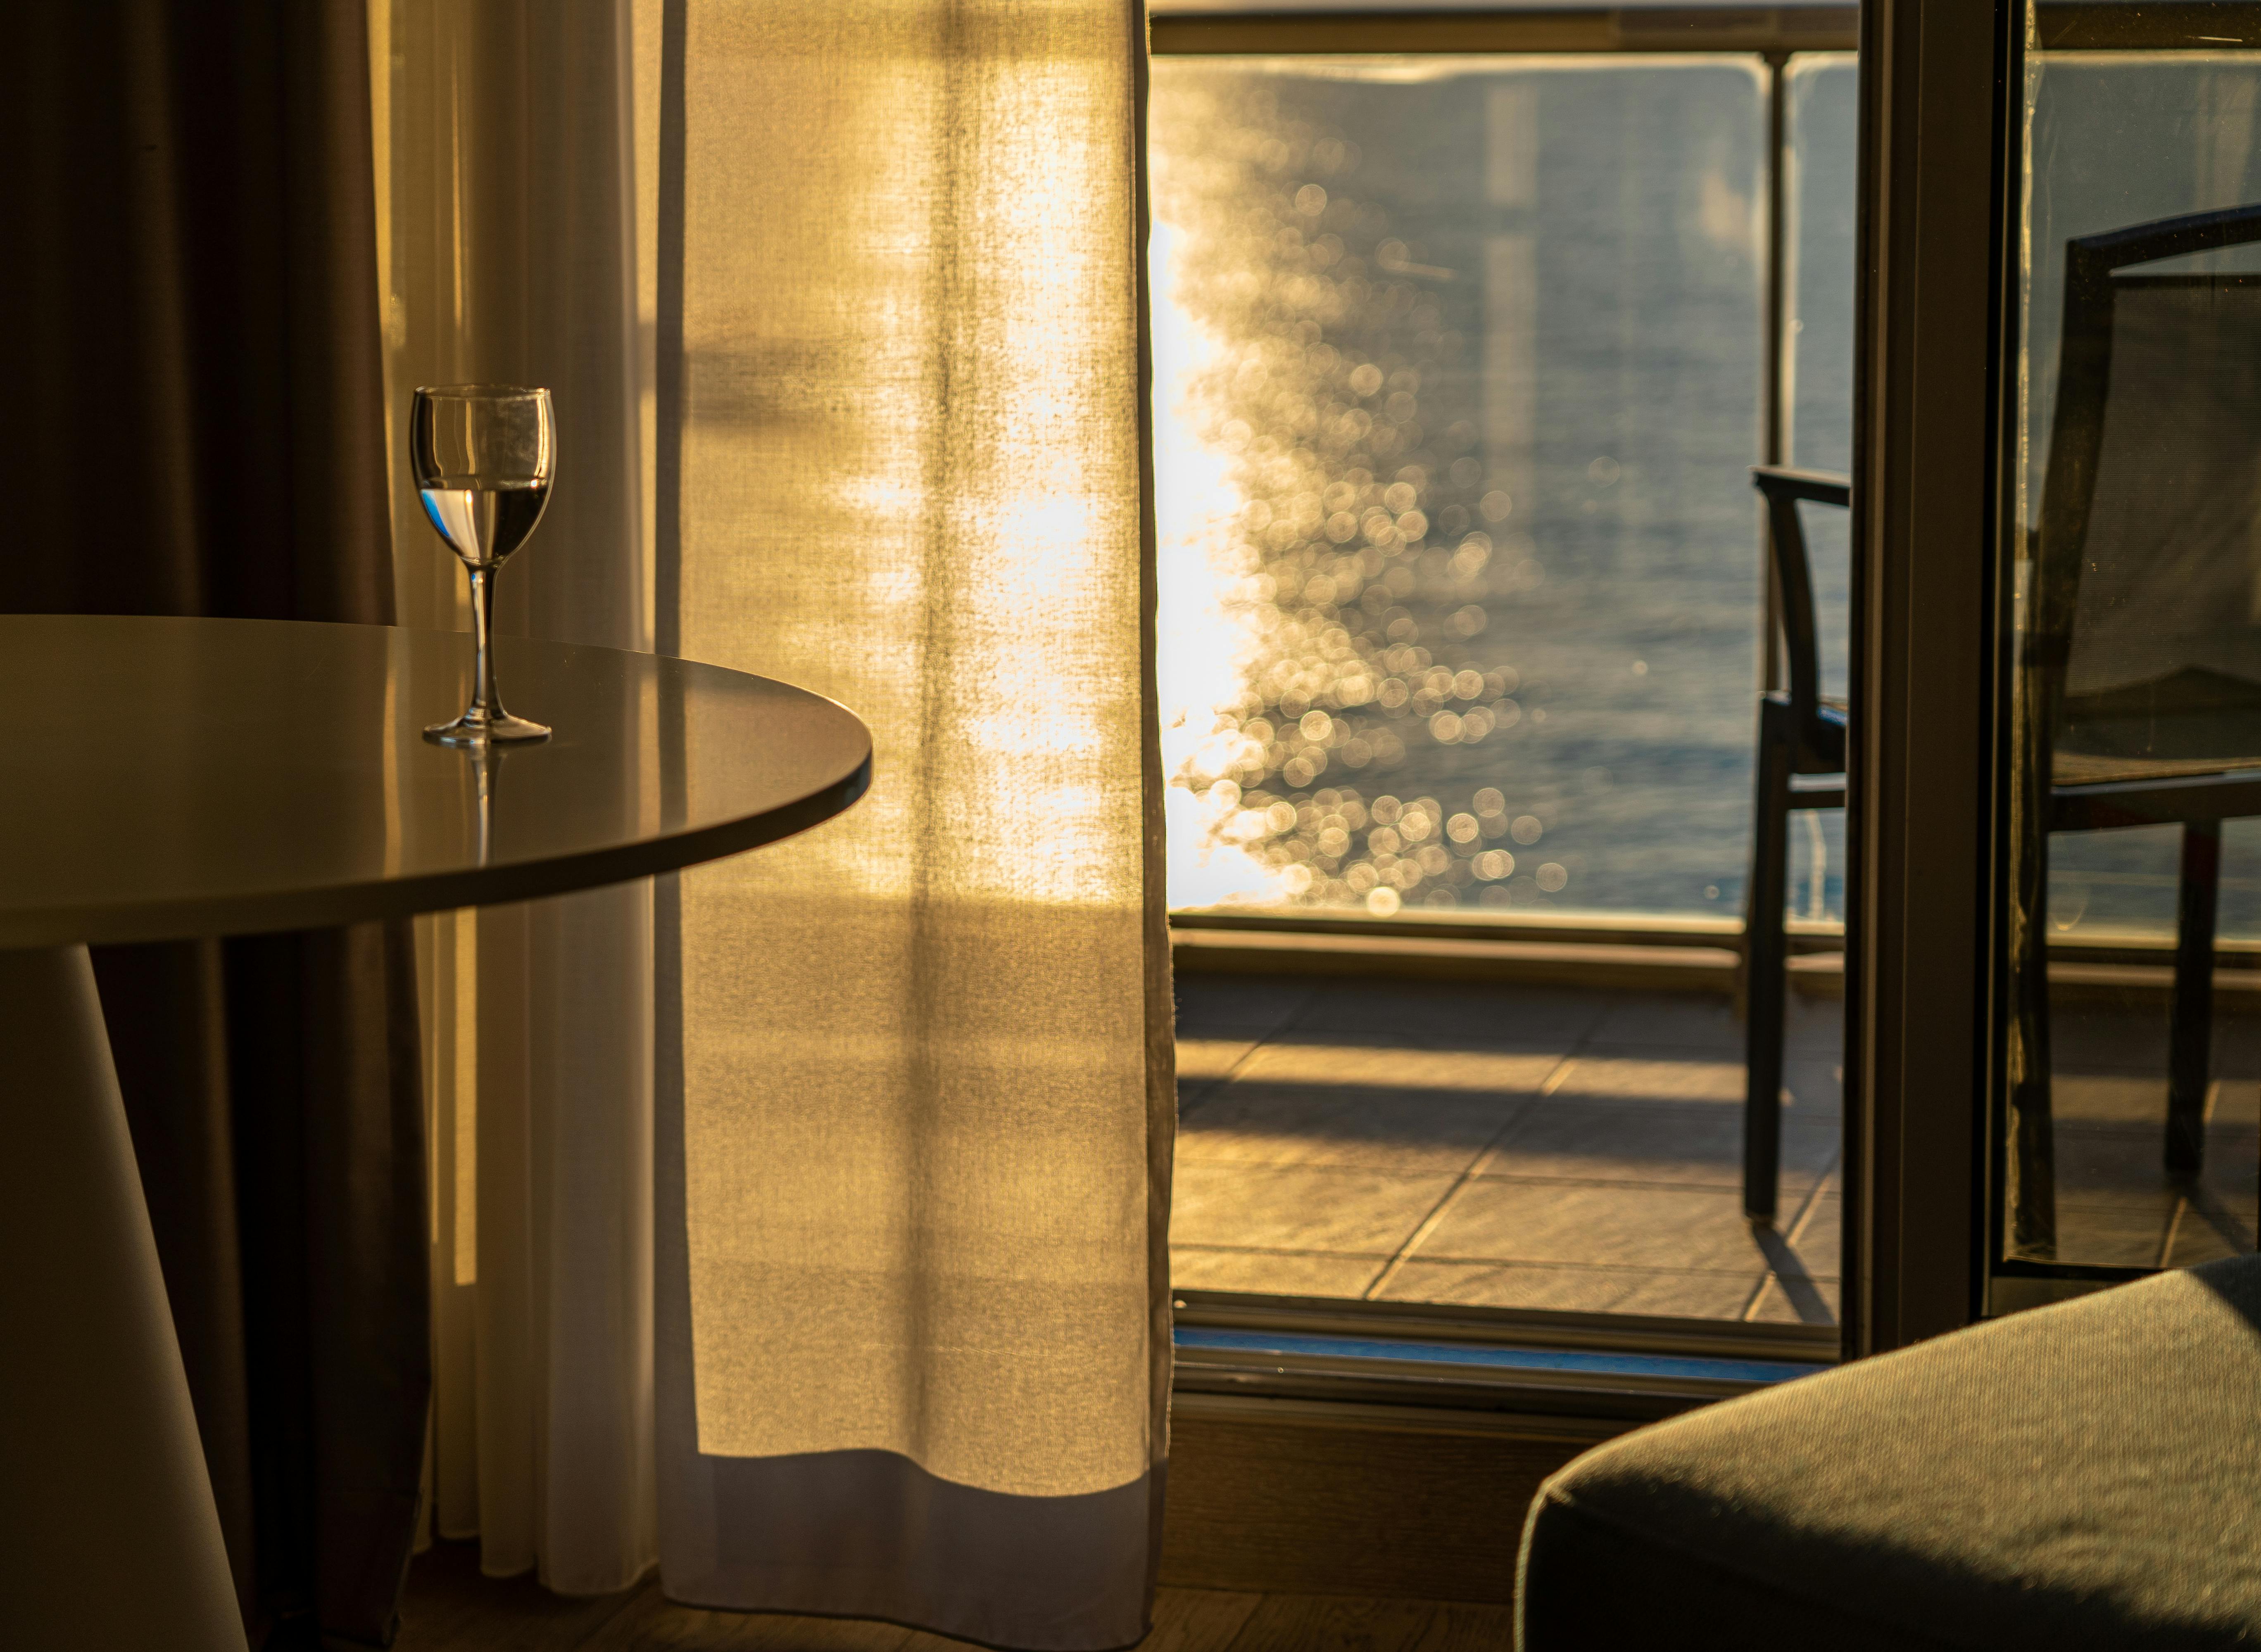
<point>1940,141</point>
<point>1214,1364</point>
<point>1942,168</point>
<point>1939,152</point>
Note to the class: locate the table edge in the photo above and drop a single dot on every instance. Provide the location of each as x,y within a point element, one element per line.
<point>328,908</point>
<point>268,912</point>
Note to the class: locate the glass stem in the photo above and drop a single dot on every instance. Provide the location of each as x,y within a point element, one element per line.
<point>484,708</point>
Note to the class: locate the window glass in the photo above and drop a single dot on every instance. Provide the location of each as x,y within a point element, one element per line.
<point>2127,1138</point>
<point>2122,139</point>
<point>1461,369</point>
<point>1459,380</point>
<point>1822,116</point>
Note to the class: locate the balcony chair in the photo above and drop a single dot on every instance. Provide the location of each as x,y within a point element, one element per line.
<point>2079,1476</point>
<point>1800,733</point>
<point>2141,664</point>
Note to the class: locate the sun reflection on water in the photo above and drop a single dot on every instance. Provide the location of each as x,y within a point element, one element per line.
<point>1330,542</point>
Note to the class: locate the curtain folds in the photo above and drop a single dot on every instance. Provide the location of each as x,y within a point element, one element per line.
<point>914,1105</point>
<point>800,1223</point>
<point>193,424</point>
<point>797,1224</point>
<point>508,175</point>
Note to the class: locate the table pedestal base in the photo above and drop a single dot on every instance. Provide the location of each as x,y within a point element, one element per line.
<point>109,1536</point>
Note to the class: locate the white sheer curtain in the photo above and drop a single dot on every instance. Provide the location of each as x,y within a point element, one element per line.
<point>913,1100</point>
<point>506,172</point>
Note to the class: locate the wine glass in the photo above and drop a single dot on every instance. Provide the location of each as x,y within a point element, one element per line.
<point>483,455</point>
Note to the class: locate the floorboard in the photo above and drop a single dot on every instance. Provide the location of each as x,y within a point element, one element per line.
<point>1197,1619</point>
<point>1335,1623</point>
<point>1461,1627</point>
<point>450,1607</point>
<point>655,1624</point>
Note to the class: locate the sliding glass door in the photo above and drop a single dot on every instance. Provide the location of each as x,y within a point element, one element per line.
<point>2055,802</point>
<point>2128,1043</point>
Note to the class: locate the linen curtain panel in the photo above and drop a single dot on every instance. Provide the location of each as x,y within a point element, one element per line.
<point>914,1105</point>
<point>910,1128</point>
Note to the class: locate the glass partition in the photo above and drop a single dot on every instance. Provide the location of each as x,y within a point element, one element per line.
<point>2130,1045</point>
<point>1463,360</point>
<point>1459,376</point>
<point>1822,91</point>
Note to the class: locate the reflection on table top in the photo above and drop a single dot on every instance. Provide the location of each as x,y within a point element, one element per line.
<point>162,778</point>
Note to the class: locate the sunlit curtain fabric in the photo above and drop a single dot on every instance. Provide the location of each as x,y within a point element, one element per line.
<point>506,136</point>
<point>914,1108</point>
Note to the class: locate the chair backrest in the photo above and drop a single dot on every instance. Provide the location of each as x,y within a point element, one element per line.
<point>2145,629</point>
<point>1784,490</point>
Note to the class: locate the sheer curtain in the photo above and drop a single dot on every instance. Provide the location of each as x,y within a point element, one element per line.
<point>915,1107</point>
<point>507,194</point>
<point>912,1094</point>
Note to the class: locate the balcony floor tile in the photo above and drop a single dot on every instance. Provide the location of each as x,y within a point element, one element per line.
<point>1623,1224</point>
<point>1252,1122</point>
<point>1412,1012</point>
<point>1272,1273</point>
<point>1575,1290</point>
<point>1592,1141</point>
<point>1303,1207</point>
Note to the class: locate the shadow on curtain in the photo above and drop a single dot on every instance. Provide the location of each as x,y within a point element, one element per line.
<point>914,1100</point>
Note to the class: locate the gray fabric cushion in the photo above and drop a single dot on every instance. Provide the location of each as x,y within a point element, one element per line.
<point>2087,1474</point>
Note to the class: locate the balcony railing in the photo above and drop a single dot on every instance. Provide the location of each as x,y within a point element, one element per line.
<point>1469,325</point>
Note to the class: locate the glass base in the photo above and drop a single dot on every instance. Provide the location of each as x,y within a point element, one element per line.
<point>474,729</point>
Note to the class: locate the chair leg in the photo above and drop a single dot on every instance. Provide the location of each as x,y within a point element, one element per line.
<point>2190,1043</point>
<point>2031,1189</point>
<point>1765,947</point>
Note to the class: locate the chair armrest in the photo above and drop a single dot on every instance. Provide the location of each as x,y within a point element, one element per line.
<point>1819,487</point>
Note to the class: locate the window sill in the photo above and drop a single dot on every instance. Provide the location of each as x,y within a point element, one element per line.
<point>1500,1364</point>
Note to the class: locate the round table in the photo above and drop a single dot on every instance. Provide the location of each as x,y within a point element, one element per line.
<point>161,779</point>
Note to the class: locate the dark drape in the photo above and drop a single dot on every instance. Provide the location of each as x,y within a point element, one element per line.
<point>191,422</point>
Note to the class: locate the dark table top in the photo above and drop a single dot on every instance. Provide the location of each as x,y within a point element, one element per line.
<point>164,778</point>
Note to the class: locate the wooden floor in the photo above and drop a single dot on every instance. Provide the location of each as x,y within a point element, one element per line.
<point>451,1608</point>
